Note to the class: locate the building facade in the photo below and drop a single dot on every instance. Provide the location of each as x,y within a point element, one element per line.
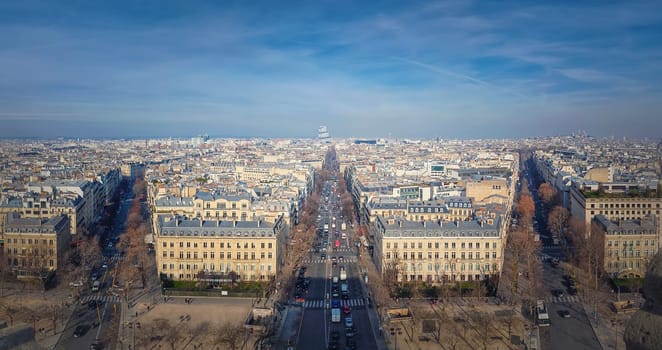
<point>629,245</point>
<point>34,246</point>
<point>615,207</point>
<point>438,251</point>
<point>196,249</point>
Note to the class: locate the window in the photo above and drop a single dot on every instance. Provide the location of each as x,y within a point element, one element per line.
<point>165,245</point>
<point>494,255</point>
<point>181,255</point>
<point>165,254</point>
<point>172,244</point>
<point>165,266</point>
<point>204,245</point>
<point>181,244</point>
<point>477,245</point>
<point>462,245</point>
<point>188,255</point>
<point>211,244</point>
<point>188,244</point>
<point>388,245</point>
<point>405,245</point>
<point>429,245</point>
<point>494,245</point>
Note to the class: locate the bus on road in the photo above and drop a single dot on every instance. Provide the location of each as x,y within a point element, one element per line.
<point>541,314</point>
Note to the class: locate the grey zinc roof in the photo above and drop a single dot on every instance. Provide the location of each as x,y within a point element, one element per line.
<point>172,201</point>
<point>472,228</point>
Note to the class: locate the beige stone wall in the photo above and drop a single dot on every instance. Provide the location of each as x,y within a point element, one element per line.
<point>182,258</point>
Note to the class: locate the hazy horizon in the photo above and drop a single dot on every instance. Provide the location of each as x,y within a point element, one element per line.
<point>454,69</point>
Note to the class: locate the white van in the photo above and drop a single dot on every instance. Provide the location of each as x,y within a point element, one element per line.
<point>95,286</point>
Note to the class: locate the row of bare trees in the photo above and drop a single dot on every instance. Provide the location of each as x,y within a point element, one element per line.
<point>16,311</point>
<point>301,236</point>
<point>203,335</point>
<point>132,241</point>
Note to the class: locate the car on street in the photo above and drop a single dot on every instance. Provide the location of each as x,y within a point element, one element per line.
<point>335,304</point>
<point>349,323</point>
<point>92,304</point>
<point>564,313</point>
<point>347,310</point>
<point>97,345</point>
<point>557,293</point>
<point>80,330</point>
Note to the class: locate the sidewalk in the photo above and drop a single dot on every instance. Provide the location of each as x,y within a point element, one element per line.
<point>605,329</point>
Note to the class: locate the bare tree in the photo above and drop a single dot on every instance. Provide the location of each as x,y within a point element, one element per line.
<point>525,208</point>
<point>483,323</point>
<point>10,309</point>
<point>5,272</point>
<point>230,334</point>
<point>546,192</point>
<point>558,221</point>
<point>200,330</point>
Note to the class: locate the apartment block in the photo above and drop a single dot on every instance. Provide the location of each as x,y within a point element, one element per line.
<point>215,250</point>
<point>614,206</point>
<point>34,246</point>
<point>438,251</point>
<point>629,245</point>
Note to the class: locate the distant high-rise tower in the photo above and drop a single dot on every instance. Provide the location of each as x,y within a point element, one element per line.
<point>322,133</point>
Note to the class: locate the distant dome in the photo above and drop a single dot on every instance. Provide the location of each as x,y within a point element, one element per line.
<point>644,329</point>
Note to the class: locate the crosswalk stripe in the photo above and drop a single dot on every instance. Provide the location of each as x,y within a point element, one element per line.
<point>322,304</point>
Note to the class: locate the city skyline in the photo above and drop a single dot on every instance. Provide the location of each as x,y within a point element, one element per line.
<point>452,69</point>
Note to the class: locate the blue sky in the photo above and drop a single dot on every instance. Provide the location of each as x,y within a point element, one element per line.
<point>450,69</point>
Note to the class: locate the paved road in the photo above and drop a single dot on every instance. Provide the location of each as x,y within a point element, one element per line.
<point>564,333</point>
<point>316,328</point>
<point>103,314</point>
